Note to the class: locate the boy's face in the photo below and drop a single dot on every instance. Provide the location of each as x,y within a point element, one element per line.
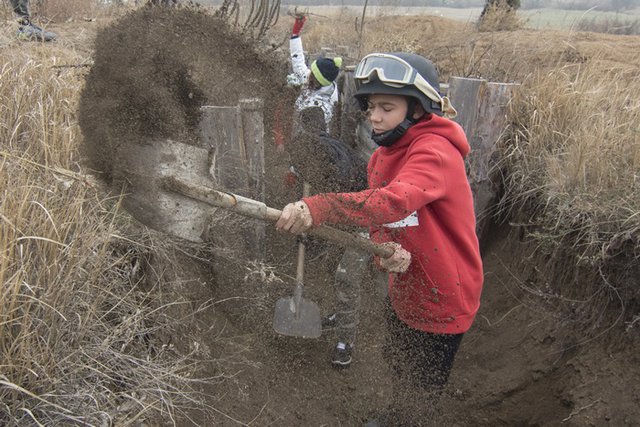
<point>385,112</point>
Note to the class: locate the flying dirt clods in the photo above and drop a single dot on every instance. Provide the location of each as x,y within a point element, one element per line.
<point>153,70</point>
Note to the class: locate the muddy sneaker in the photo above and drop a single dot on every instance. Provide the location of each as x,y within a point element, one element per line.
<point>31,32</point>
<point>341,355</point>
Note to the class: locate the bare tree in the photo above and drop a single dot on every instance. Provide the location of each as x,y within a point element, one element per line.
<point>262,15</point>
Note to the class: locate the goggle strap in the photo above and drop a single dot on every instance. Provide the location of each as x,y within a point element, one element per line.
<point>447,109</point>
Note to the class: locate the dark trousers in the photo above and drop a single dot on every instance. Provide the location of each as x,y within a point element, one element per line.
<point>421,363</point>
<point>353,267</point>
<point>21,7</point>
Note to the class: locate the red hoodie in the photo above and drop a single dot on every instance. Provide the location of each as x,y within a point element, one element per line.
<point>419,197</point>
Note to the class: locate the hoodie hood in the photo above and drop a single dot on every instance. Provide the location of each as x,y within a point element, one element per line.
<point>437,125</point>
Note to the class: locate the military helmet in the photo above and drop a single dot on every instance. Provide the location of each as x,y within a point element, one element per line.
<point>400,73</point>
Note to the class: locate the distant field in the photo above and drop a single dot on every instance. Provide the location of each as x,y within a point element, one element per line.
<point>468,14</point>
<point>568,19</point>
<point>535,18</point>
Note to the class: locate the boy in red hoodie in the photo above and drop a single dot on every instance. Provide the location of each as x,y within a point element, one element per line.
<point>419,202</point>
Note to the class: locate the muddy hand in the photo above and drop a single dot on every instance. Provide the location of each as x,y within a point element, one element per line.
<point>399,261</point>
<point>295,218</point>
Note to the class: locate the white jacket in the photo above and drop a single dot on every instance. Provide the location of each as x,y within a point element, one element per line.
<point>326,97</point>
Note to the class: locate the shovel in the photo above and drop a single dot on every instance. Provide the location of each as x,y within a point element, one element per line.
<point>296,316</point>
<point>255,209</point>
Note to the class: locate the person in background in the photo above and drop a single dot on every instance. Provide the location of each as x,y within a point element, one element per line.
<point>27,30</point>
<point>317,83</point>
<point>328,164</point>
<point>419,203</point>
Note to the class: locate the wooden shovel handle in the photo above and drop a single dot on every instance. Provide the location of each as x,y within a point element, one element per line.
<point>255,209</point>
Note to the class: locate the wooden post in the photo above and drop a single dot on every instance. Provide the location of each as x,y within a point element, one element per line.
<point>253,136</point>
<point>482,112</point>
<point>234,137</point>
<point>221,133</point>
<point>355,131</point>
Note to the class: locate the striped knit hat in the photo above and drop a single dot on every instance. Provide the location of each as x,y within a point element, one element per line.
<point>325,70</point>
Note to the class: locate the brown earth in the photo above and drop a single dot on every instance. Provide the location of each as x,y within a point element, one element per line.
<point>516,366</point>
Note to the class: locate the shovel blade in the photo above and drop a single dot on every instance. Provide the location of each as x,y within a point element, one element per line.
<point>301,321</point>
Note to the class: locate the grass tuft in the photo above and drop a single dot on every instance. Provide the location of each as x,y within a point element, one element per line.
<point>81,320</point>
<point>571,167</point>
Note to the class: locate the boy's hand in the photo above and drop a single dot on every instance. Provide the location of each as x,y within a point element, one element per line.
<point>295,218</point>
<point>399,261</point>
<point>297,26</point>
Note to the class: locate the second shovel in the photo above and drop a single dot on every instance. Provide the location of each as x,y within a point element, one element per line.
<point>297,316</point>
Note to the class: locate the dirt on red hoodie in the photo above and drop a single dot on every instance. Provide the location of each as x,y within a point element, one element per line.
<point>419,196</point>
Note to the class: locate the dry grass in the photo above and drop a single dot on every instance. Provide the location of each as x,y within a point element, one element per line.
<point>611,25</point>
<point>48,11</point>
<point>380,33</point>
<point>571,176</point>
<point>67,10</point>
<point>80,318</point>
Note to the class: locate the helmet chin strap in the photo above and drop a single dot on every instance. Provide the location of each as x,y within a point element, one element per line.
<point>388,138</point>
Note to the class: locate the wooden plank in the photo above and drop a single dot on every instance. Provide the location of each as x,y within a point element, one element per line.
<point>355,129</point>
<point>221,132</point>
<point>482,112</point>
<point>348,109</point>
<point>253,136</point>
<point>464,93</point>
<point>493,108</point>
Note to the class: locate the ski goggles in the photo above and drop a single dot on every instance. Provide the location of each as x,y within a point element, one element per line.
<point>395,72</point>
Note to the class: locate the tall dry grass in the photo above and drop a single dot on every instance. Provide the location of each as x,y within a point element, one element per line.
<point>45,12</point>
<point>379,33</point>
<point>623,25</point>
<point>571,165</point>
<point>80,317</point>
<point>65,10</point>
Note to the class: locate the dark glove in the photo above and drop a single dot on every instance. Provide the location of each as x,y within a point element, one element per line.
<point>297,26</point>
